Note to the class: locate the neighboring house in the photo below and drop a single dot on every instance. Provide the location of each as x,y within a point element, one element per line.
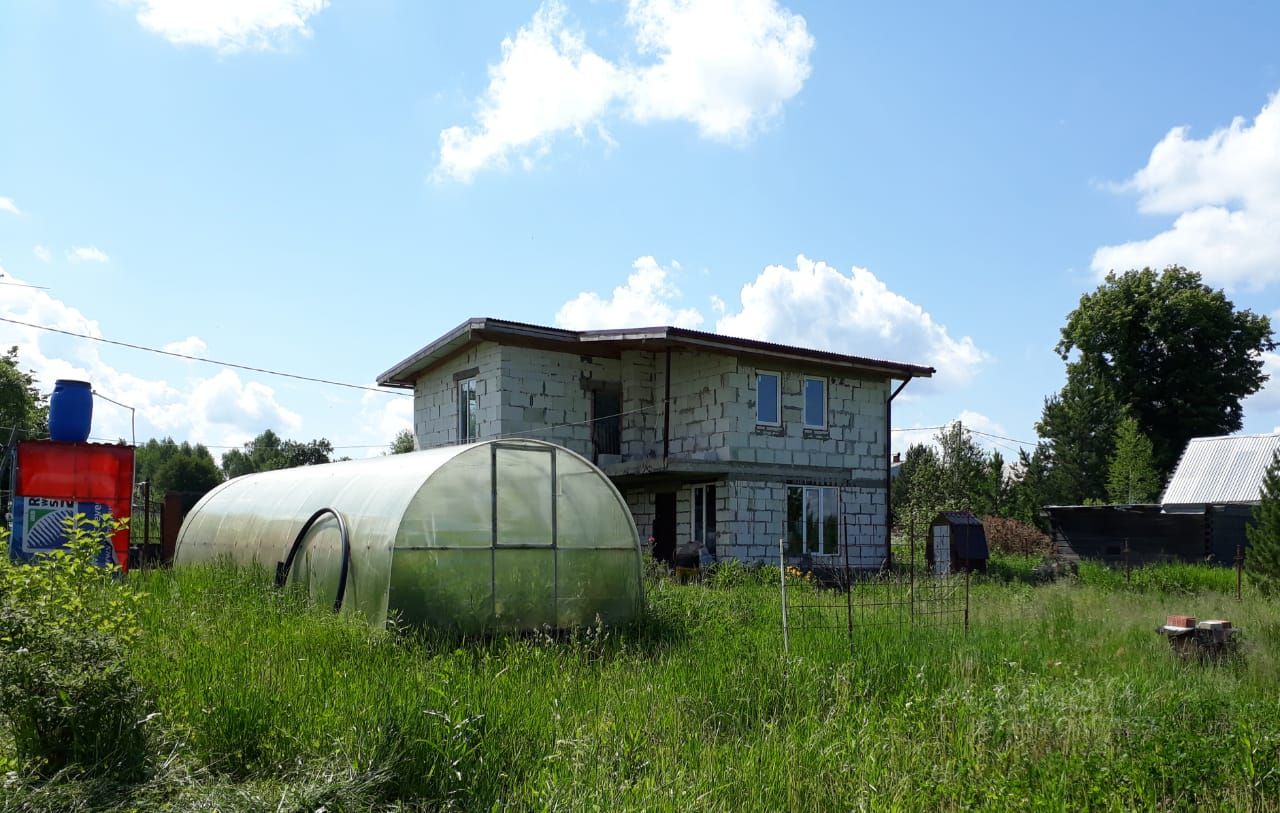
<point>730,443</point>
<point>1202,515</point>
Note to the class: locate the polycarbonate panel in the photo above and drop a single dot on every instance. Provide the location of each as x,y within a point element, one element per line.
<point>455,508</point>
<point>524,495</point>
<point>597,582</point>
<point>586,514</point>
<point>318,564</point>
<point>524,588</point>
<point>447,589</point>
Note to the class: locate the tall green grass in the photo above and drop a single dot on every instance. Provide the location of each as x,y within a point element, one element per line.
<point>1060,697</point>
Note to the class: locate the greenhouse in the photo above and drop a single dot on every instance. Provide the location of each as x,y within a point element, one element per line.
<point>499,535</point>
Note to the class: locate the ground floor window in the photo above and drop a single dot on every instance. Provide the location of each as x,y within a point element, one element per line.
<point>704,516</point>
<point>813,520</point>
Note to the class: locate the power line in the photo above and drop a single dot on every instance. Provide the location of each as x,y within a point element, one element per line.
<point>26,285</point>
<point>262,370</point>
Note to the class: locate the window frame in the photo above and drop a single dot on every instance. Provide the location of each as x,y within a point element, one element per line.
<point>805,550</point>
<point>462,387</point>
<point>698,497</point>
<point>777,397</point>
<point>804,401</point>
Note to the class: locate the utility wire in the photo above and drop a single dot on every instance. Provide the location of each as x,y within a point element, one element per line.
<point>205,360</point>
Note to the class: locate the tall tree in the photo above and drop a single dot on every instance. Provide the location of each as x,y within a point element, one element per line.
<point>1173,351</point>
<point>1037,482</point>
<point>170,466</point>
<point>268,451</point>
<point>1079,423</point>
<point>1131,476</point>
<point>22,406</point>
<point>1263,559</point>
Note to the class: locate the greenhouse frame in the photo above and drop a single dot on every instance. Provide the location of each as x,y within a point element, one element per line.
<point>493,536</point>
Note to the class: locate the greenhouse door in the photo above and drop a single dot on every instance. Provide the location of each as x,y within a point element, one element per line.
<point>319,562</point>
<point>524,535</point>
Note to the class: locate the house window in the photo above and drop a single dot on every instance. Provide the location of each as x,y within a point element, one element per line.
<point>815,403</point>
<point>468,411</point>
<point>769,398</point>
<point>813,520</point>
<point>704,516</point>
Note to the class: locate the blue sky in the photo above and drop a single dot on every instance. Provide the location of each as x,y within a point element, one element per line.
<point>323,187</point>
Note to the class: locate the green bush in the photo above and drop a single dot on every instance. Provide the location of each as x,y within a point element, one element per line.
<point>66,692</point>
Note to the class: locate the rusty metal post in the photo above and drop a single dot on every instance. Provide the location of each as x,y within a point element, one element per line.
<point>146,520</point>
<point>966,601</point>
<point>848,597</point>
<point>1239,568</point>
<point>782,576</point>
<point>911,538</point>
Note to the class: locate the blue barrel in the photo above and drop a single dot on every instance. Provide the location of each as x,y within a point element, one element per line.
<point>70,411</point>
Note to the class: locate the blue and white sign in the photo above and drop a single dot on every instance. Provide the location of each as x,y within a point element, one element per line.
<point>39,526</point>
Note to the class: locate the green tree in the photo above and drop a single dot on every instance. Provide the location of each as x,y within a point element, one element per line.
<point>170,466</point>
<point>402,443</point>
<point>1079,424</point>
<point>1263,559</point>
<point>1036,482</point>
<point>1173,351</point>
<point>268,451</point>
<point>1132,475</point>
<point>22,406</point>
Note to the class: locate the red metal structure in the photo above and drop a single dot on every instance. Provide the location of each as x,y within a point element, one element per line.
<point>54,480</point>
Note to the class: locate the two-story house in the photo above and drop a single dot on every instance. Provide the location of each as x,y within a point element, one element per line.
<point>732,443</point>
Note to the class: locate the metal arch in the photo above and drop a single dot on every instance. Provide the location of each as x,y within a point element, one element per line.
<point>283,568</point>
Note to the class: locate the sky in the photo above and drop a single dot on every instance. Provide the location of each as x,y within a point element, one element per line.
<point>321,187</point>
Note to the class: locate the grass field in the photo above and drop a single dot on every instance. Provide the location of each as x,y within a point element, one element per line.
<point>1060,697</point>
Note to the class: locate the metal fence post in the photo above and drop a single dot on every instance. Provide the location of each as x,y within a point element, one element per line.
<point>782,577</point>
<point>966,600</point>
<point>911,538</point>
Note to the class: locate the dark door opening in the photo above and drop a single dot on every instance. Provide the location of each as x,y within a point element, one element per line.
<point>664,527</point>
<point>606,424</point>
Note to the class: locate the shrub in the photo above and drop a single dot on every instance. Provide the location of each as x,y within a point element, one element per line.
<point>1012,536</point>
<point>1263,559</point>
<point>66,693</point>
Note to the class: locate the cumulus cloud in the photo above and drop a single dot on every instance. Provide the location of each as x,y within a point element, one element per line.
<point>726,66</point>
<point>548,81</point>
<point>816,305</point>
<point>979,425</point>
<point>190,346</point>
<point>383,417</point>
<point>7,205</point>
<point>220,410</point>
<point>42,253</point>
<point>645,300</point>
<point>1224,191</point>
<point>87,254</point>
<point>229,25</point>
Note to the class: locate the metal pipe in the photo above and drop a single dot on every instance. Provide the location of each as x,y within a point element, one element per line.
<point>782,575</point>
<point>888,469</point>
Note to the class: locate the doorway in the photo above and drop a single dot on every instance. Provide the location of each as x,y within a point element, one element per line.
<point>664,526</point>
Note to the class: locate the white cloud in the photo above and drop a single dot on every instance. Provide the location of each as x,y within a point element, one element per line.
<point>727,66</point>
<point>229,25</point>
<point>190,346</point>
<point>645,300</point>
<point>7,205</point>
<point>87,254</point>
<point>980,427</point>
<point>1225,192</point>
<point>547,82</point>
<point>42,254</point>
<point>383,417</point>
<point>815,305</point>
<point>221,410</point>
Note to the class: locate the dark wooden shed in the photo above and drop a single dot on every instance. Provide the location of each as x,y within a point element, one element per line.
<point>957,542</point>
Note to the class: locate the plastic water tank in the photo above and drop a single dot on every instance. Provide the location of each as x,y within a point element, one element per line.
<point>70,411</point>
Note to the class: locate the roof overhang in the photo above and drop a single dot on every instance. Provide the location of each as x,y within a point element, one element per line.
<point>614,342</point>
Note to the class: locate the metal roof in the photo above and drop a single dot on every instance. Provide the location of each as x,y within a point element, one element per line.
<point>612,341</point>
<point>1220,471</point>
<point>958,518</point>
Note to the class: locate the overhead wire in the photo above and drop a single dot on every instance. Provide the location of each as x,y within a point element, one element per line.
<point>187,357</point>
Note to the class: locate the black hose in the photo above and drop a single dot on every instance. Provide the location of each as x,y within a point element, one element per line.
<point>283,568</point>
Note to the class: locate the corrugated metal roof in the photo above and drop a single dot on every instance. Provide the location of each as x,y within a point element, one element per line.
<point>1219,471</point>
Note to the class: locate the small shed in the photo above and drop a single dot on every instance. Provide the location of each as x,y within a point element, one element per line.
<point>957,542</point>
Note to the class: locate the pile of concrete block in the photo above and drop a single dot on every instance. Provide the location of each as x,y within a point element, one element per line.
<point>1208,639</point>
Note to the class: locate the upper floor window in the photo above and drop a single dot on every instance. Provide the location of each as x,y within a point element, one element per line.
<point>769,398</point>
<point>815,403</point>
<point>468,411</point>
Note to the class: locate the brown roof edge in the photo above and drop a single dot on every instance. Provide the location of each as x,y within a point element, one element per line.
<point>401,374</point>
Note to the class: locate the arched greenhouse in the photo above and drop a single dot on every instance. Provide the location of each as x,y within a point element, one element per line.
<point>499,535</point>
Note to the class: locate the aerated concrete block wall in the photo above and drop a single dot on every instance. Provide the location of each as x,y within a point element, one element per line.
<point>435,397</point>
